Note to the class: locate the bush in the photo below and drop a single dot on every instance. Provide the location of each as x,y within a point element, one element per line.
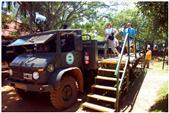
<point>161,104</point>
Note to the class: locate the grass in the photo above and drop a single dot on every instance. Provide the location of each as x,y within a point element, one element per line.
<point>157,66</point>
<point>161,104</point>
<point>163,90</point>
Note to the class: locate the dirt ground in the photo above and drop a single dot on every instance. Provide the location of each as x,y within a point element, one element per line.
<point>139,98</point>
<point>142,94</point>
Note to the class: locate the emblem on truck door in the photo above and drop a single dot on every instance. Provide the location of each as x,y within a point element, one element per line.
<point>69,58</point>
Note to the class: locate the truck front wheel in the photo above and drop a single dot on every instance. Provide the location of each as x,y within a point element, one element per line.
<point>66,94</point>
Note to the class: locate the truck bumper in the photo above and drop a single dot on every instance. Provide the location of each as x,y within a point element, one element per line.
<point>30,87</point>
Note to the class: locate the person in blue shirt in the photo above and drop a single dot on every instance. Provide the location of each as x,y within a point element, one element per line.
<point>131,35</point>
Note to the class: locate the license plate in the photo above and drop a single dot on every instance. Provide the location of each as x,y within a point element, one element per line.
<point>27,76</point>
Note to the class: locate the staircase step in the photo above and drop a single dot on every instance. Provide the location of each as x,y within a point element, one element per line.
<point>110,62</point>
<point>106,78</point>
<point>104,87</point>
<point>9,51</point>
<point>97,107</point>
<point>109,70</point>
<point>100,97</point>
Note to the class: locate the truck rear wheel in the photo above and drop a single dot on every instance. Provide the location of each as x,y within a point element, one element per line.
<point>66,94</point>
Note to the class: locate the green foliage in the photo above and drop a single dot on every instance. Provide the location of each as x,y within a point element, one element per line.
<point>162,91</point>
<point>6,19</point>
<point>149,18</point>
<point>15,34</point>
<point>58,13</point>
<point>157,19</point>
<point>126,16</point>
<point>161,104</point>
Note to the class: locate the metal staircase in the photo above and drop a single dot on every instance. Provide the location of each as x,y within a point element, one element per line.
<point>103,96</point>
<point>111,80</point>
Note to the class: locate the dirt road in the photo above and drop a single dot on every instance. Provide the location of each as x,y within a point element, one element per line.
<point>140,96</point>
<point>35,103</point>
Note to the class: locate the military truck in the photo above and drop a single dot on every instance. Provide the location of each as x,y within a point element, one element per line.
<point>58,62</point>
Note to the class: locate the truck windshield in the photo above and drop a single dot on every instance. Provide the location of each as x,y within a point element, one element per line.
<point>31,40</point>
<point>35,44</point>
<point>42,48</point>
<point>38,48</point>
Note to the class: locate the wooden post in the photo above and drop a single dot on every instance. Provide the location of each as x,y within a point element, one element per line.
<point>135,47</point>
<point>163,58</point>
<point>127,84</point>
<point>128,48</point>
<point>31,17</point>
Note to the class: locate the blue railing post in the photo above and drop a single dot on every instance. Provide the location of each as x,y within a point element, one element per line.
<point>135,47</point>
<point>128,43</point>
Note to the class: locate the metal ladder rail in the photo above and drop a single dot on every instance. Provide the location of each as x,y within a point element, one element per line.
<point>122,77</point>
<point>117,73</point>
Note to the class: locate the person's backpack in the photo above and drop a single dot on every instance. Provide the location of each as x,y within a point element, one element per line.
<point>111,37</point>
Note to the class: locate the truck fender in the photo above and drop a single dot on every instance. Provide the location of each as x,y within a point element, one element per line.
<point>75,72</point>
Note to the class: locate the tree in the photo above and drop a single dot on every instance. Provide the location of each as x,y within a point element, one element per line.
<point>157,14</point>
<point>59,13</point>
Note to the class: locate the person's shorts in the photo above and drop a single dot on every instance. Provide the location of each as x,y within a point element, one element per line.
<point>109,51</point>
<point>131,43</point>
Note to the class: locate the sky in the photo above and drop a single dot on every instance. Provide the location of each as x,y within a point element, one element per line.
<point>116,7</point>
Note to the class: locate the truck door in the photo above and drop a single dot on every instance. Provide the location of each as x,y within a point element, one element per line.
<point>70,56</point>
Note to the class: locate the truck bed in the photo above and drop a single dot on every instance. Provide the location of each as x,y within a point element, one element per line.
<point>114,60</point>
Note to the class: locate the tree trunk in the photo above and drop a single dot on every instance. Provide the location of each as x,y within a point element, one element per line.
<point>31,18</point>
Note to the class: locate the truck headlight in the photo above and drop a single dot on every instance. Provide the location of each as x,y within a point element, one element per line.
<point>35,75</point>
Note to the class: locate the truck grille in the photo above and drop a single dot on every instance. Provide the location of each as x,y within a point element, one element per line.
<point>21,73</point>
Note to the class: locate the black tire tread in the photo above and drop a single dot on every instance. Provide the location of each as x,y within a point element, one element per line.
<point>55,97</point>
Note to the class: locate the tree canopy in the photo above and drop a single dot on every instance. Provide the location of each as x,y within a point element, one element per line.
<point>149,18</point>
<point>157,18</point>
<point>57,13</point>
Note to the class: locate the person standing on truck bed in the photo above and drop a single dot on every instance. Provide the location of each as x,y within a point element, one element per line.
<point>132,32</point>
<point>110,38</point>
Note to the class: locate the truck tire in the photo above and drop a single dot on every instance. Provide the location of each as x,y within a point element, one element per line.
<point>66,94</point>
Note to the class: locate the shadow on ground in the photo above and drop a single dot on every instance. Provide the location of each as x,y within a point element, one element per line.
<point>128,99</point>
<point>36,102</point>
<point>41,102</point>
<point>11,102</point>
<point>161,105</point>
